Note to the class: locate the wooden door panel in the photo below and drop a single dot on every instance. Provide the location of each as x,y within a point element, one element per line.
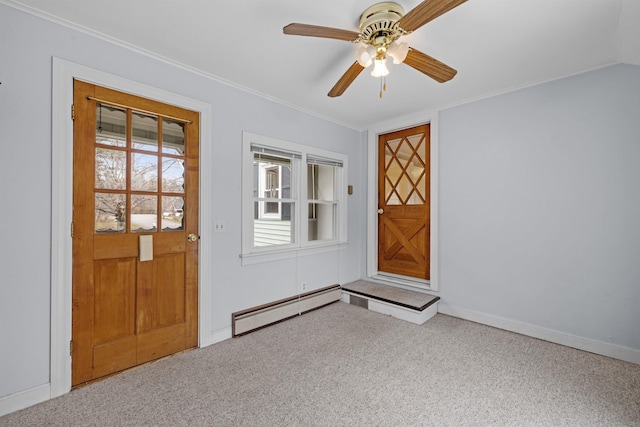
<point>161,342</point>
<point>161,292</point>
<point>402,244</point>
<point>402,234</point>
<point>114,356</point>
<point>109,246</point>
<point>170,292</point>
<point>404,202</point>
<point>169,243</point>
<point>115,304</point>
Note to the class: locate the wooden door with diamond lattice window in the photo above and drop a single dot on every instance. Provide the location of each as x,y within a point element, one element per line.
<point>403,202</point>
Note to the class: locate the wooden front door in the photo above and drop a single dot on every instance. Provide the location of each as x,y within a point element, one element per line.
<point>135,228</point>
<point>403,202</point>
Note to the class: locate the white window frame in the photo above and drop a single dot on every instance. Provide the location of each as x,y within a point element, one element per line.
<point>337,166</point>
<point>301,244</point>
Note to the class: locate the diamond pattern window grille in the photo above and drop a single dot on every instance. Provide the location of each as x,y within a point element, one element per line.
<point>405,181</point>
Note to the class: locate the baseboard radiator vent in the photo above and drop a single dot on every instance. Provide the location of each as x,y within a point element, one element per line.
<point>251,319</point>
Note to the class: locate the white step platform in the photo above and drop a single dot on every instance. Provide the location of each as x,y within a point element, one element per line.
<point>411,306</point>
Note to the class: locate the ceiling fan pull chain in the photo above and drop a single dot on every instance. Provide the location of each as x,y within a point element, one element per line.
<point>383,85</point>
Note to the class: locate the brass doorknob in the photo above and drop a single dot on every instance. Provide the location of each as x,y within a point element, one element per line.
<point>192,237</point>
<point>380,211</point>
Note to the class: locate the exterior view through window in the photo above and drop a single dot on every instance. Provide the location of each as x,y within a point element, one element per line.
<point>295,194</point>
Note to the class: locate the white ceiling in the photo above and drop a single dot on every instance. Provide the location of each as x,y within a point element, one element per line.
<point>496,46</point>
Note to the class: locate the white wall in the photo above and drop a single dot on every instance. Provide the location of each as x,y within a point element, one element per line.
<point>28,45</point>
<point>540,207</point>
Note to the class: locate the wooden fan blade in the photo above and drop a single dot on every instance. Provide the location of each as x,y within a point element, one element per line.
<point>426,11</point>
<point>317,31</point>
<point>429,66</point>
<point>346,80</point>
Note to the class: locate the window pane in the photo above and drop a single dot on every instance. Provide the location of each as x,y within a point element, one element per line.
<point>320,182</point>
<point>144,213</point>
<point>322,218</point>
<point>418,197</point>
<point>110,213</point>
<point>172,137</point>
<point>172,213</point>
<point>111,169</point>
<point>272,183</point>
<point>145,132</point>
<point>111,126</point>
<point>272,176</point>
<point>172,175</point>
<point>273,231</point>
<point>144,172</point>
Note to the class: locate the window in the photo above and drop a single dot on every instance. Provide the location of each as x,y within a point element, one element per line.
<point>293,199</point>
<point>321,197</point>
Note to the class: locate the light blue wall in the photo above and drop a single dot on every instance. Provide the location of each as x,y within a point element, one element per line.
<point>540,206</point>
<point>539,197</point>
<point>27,45</point>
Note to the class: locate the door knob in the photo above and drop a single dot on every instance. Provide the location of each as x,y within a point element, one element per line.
<point>192,237</point>
<point>380,211</point>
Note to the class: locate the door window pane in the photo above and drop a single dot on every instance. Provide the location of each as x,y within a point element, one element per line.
<point>144,213</point>
<point>172,175</point>
<point>111,169</point>
<point>172,137</point>
<point>110,213</point>
<point>144,172</point>
<point>111,126</point>
<point>145,132</point>
<point>172,213</point>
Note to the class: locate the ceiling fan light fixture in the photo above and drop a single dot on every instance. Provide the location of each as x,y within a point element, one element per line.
<point>398,51</point>
<point>364,55</point>
<point>380,68</point>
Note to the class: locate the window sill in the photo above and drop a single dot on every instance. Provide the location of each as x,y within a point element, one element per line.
<point>275,255</point>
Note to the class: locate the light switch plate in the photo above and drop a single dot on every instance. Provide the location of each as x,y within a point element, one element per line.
<point>146,248</point>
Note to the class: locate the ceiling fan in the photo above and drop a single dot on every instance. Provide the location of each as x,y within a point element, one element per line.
<point>381,25</point>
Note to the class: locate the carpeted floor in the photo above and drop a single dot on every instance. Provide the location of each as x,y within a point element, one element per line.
<point>345,366</point>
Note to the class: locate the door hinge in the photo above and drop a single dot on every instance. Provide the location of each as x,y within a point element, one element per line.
<point>72,230</point>
<point>70,347</point>
<point>73,111</point>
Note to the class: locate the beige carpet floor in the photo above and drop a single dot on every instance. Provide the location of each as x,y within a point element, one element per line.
<point>345,366</point>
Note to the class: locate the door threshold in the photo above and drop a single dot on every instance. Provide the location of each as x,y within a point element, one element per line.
<point>133,368</point>
<point>390,278</point>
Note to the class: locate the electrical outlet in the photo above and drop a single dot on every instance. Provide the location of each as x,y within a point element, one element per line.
<point>304,286</point>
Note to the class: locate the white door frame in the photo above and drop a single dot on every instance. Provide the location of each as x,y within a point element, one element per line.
<point>62,206</point>
<point>417,119</point>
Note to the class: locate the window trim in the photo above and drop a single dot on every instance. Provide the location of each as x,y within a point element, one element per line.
<point>301,245</point>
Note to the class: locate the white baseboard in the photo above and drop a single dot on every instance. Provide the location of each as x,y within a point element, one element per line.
<point>217,336</point>
<point>23,399</point>
<point>581,343</point>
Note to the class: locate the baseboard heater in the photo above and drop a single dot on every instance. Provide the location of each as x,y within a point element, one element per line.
<point>251,319</point>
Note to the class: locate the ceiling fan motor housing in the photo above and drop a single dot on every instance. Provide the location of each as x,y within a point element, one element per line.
<point>379,24</point>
